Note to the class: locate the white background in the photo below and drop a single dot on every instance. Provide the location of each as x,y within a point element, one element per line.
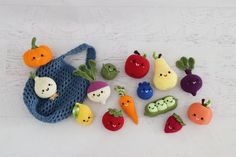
<point>204,29</point>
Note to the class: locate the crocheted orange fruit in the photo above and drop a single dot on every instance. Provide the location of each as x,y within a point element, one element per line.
<point>37,55</point>
<point>200,113</point>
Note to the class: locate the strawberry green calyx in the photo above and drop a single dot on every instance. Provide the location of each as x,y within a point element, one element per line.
<point>156,56</point>
<point>33,43</point>
<point>206,104</point>
<point>145,55</point>
<point>115,112</point>
<point>120,90</point>
<point>179,119</point>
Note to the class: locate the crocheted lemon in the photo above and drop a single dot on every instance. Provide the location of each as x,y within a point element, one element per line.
<point>164,77</point>
<point>83,114</point>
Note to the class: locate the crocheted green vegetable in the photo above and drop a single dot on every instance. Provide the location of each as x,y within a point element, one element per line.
<point>109,71</point>
<point>160,106</point>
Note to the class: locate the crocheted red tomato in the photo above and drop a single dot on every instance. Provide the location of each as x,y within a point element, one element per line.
<point>137,66</point>
<point>113,120</point>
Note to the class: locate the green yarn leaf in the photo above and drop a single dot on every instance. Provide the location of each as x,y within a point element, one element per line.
<point>87,72</point>
<point>181,65</point>
<point>185,61</point>
<point>191,63</point>
<point>32,75</point>
<point>156,56</point>
<point>179,119</point>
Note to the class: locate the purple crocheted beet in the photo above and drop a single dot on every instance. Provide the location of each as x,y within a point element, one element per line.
<point>191,83</point>
<point>96,85</point>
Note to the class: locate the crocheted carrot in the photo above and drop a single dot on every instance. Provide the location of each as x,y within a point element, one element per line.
<point>127,103</point>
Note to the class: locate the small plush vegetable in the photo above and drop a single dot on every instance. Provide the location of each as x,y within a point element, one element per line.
<point>144,90</point>
<point>173,124</point>
<point>113,120</point>
<point>83,114</point>
<point>37,55</point>
<point>164,77</point>
<point>98,91</point>
<point>45,87</point>
<point>137,66</point>
<point>191,83</point>
<point>200,113</point>
<point>160,106</point>
<point>109,71</point>
<point>127,104</point>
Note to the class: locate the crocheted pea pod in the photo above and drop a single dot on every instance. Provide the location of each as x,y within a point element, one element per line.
<point>160,106</point>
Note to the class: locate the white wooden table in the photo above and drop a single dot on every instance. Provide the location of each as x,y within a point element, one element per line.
<point>204,29</point>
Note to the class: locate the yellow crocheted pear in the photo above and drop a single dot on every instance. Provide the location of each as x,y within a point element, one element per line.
<point>164,77</point>
<point>83,114</point>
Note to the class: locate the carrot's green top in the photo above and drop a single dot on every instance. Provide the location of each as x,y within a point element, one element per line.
<point>120,90</point>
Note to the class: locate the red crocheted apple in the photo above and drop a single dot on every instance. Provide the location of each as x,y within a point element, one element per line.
<point>113,119</point>
<point>173,124</point>
<point>137,66</point>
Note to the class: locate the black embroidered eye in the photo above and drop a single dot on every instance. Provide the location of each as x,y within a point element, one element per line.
<point>43,90</point>
<point>110,122</point>
<point>49,84</point>
<point>83,120</point>
<point>142,65</point>
<point>89,117</point>
<point>93,94</point>
<point>128,101</point>
<point>42,55</point>
<point>169,72</point>
<point>101,91</point>
<point>194,115</point>
<point>202,118</point>
<point>34,58</point>
<point>118,124</point>
<point>160,74</point>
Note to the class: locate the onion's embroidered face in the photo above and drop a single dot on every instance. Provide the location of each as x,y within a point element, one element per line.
<point>45,87</point>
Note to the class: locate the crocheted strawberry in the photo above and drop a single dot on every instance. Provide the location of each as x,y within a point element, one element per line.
<point>113,119</point>
<point>173,124</point>
<point>137,66</point>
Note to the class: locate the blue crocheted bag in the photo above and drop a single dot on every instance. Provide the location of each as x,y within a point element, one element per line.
<point>71,88</point>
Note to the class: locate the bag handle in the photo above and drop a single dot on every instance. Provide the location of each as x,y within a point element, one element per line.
<point>91,53</point>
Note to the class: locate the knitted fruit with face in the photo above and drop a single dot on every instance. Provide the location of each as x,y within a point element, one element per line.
<point>83,114</point>
<point>160,106</point>
<point>45,87</point>
<point>144,90</point>
<point>109,71</point>
<point>164,77</point>
<point>191,83</point>
<point>137,66</point>
<point>174,124</point>
<point>37,55</point>
<point>98,91</point>
<point>200,113</point>
<point>127,104</point>
<point>113,120</point>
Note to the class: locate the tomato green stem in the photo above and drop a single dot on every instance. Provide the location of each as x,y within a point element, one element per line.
<point>33,45</point>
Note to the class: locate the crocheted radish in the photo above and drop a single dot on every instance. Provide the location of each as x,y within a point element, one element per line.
<point>200,113</point>
<point>83,114</point>
<point>127,104</point>
<point>191,83</point>
<point>45,87</point>
<point>113,120</point>
<point>173,124</point>
<point>137,66</point>
<point>98,91</point>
